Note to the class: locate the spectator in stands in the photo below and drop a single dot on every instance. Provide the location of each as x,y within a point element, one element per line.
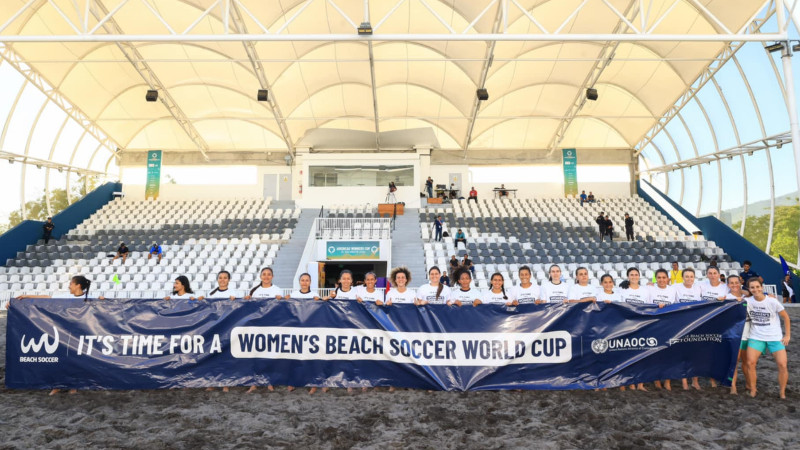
<point>609,228</point>
<point>722,278</point>
<point>454,264</point>
<point>675,275</point>
<point>445,280</point>
<point>788,291</point>
<point>748,272</point>
<point>473,195</point>
<point>461,237</point>
<point>122,252</point>
<point>590,197</point>
<point>437,225</point>
<point>583,197</point>
<point>601,224</point>
<point>181,290</point>
<point>466,262</point>
<point>765,333</point>
<point>429,187</point>
<point>155,249</point>
<point>628,227</point>
<point>502,192</point>
<point>453,191</point>
<point>47,229</point>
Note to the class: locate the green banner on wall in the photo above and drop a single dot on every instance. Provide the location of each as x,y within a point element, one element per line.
<point>353,250</point>
<point>153,174</point>
<point>570,161</point>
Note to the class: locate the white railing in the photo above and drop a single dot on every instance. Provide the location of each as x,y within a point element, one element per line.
<point>352,228</point>
<point>325,291</point>
<point>308,252</point>
<point>771,289</point>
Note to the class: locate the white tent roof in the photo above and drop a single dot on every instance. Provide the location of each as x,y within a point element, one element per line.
<point>533,85</point>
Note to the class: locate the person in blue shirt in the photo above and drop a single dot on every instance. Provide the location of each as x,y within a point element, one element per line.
<point>156,250</point>
<point>429,187</point>
<point>748,273</point>
<point>583,197</point>
<point>461,237</point>
<point>437,225</point>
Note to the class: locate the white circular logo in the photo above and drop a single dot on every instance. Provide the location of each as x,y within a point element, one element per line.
<point>599,345</point>
<point>331,249</point>
<point>652,342</point>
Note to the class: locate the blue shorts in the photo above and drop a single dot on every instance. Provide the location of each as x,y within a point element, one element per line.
<point>743,345</point>
<point>773,346</point>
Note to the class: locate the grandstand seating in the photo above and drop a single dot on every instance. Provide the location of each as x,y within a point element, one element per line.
<point>504,234</point>
<point>199,238</point>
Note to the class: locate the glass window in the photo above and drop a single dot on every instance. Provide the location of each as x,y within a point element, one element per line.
<point>35,206</point>
<point>84,151</point>
<point>320,176</point>
<point>758,195</point>
<point>662,143</point>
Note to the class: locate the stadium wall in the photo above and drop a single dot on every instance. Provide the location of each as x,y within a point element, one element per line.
<point>30,231</point>
<point>735,245</point>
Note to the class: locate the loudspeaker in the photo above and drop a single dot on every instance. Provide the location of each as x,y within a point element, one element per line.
<point>483,94</point>
<point>263,95</point>
<point>591,94</point>
<point>151,96</point>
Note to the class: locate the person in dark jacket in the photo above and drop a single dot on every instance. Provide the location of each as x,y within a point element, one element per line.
<point>48,229</point>
<point>601,224</point>
<point>609,228</point>
<point>628,227</point>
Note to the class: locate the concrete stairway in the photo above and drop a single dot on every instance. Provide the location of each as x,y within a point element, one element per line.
<point>407,249</point>
<point>290,253</point>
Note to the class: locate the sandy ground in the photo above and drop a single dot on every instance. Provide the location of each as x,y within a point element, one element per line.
<point>196,419</point>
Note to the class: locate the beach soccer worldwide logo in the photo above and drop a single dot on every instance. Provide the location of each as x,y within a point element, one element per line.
<point>599,346</point>
<point>44,341</point>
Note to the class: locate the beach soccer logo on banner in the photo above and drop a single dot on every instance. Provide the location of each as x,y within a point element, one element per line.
<point>641,343</point>
<point>35,345</point>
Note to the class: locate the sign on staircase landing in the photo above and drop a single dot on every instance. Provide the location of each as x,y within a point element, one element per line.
<point>353,250</point>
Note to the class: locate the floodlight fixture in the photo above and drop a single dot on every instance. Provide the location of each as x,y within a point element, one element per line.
<point>776,47</point>
<point>365,29</point>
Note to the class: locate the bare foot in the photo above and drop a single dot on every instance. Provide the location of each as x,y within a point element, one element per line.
<point>696,385</point>
<point>734,391</point>
<point>251,390</point>
<point>622,388</point>
<point>290,388</point>
<point>225,389</point>
<point>312,391</point>
<point>641,387</point>
<point>73,391</point>
<point>713,383</point>
<point>54,392</point>
<point>325,390</point>
<point>209,389</point>
<point>658,384</point>
<point>270,388</point>
<point>685,384</point>
<point>753,392</point>
<point>391,388</point>
<point>632,387</point>
<point>783,395</point>
<point>668,385</point>
<point>349,390</point>
<point>363,389</point>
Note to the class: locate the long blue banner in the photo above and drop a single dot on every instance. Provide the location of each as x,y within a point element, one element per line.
<point>153,344</point>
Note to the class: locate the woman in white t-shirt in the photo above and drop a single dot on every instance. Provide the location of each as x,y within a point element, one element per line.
<point>399,293</point>
<point>463,293</point>
<point>662,293</point>
<point>635,293</point>
<point>434,292</point>
<point>765,333</point>
<point>344,290</point>
<point>181,290</point>
<point>368,293</point>
<point>265,289</point>
<point>608,292</point>
<point>553,290</point>
<point>222,291</point>
<point>582,291</point>
<point>305,292</point>
<point>527,291</point>
<point>688,291</point>
<point>740,295</point>
<point>497,293</point>
<point>713,289</point>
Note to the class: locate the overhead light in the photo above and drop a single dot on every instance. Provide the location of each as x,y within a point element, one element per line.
<point>152,95</point>
<point>776,47</point>
<point>780,144</point>
<point>38,166</point>
<point>796,47</point>
<point>591,94</point>
<point>288,159</point>
<point>483,94</point>
<point>730,157</point>
<point>750,153</point>
<point>365,29</point>
<point>263,95</point>
<point>11,160</point>
<point>60,170</point>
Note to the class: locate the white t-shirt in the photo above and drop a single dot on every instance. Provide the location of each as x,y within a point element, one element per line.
<point>578,292</point>
<point>308,295</point>
<point>684,294</point>
<point>65,294</point>
<point>639,296</point>
<point>428,293</point>
<point>185,296</point>
<point>765,319</point>
<point>554,293</point>
<point>271,292</point>
<point>349,295</point>
<point>369,297</point>
<point>490,297</point>
<point>615,296</point>
<point>465,297</point>
<point>525,295</point>
<point>746,330</point>
<point>227,293</point>
<point>658,295</point>
<point>396,296</point>
<point>713,293</point>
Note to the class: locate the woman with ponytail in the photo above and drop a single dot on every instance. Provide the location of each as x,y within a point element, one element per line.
<point>497,294</point>
<point>265,289</point>
<point>345,289</point>
<point>463,292</point>
<point>181,290</point>
<point>305,291</point>
<point>78,287</point>
<point>434,292</point>
<point>368,293</point>
<point>553,290</point>
<point>222,291</point>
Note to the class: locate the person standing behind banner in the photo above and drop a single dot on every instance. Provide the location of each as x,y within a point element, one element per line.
<point>368,293</point>
<point>434,292</point>
<point>765,333</point>
<point>713,288</point>
<point>608,293</point>
<point>305,292</point>
<point>581,291</point>
<point>662,294</point>
<point>628,227</point>
<point>454,265</point>
<point>526,291</point>
<point>265,289</point>
<point>463,293</point>
<point>181,290</point>
<point>687,290</point>
<point>399,293</point>
<point>609,228</point>
<point>222,291</point>
<point>635,293</point>
<point>345,289</point>
<point>553,290</point>
<point>497,293</point>
<point>740,295</point>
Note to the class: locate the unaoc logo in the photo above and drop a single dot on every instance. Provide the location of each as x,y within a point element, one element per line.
<point>43,341</point>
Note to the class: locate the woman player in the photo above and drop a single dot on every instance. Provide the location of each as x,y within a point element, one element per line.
<point>635,294</point>
<point>713,289</point>
<point>688,291</point>
<point>181,290</point>
<point>765,333</point>
<point>465,293</point>
<point>368,292</point>
<point>305,291</point>
<point>222,290</point>
<point>608,293</point>
<point>497,294</point>
<point>740,295</point>
<point>527,291</point>
<point>265,289</point>
<point>345,289</point>
<point>582,291</point>
<point>400,293</point>
<point>434,292</point>
<point>553,290</point>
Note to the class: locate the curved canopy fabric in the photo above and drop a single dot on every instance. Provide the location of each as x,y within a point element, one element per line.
<point>533,86</point>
